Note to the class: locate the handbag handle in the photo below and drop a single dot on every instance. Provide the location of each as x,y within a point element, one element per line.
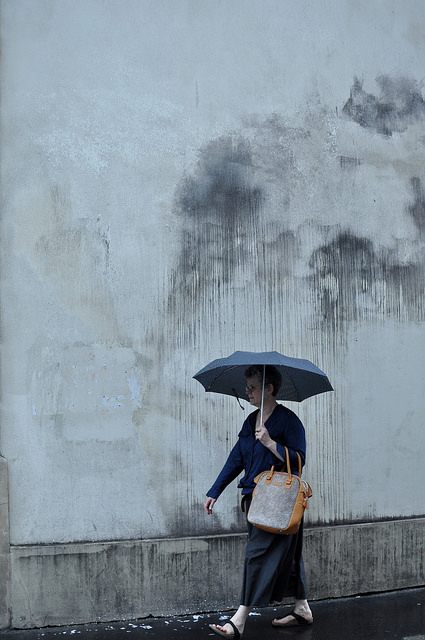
<point>288,468</point>
<point>288,464</point>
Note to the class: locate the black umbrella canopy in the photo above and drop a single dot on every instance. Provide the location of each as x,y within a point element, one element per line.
<point>301,379</point>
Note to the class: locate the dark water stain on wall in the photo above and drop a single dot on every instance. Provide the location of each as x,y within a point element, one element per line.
<point>347,162</point>
<point>222,186</point>
<point>417,209</point>
<point>405,299</point>
<point>354,282</point>
<point>344,271</point>
<point>400,103</point>
<point>220,205</point>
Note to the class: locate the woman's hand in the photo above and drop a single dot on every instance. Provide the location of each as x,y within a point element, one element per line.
<point>209,504</point>
<point>262,435</point>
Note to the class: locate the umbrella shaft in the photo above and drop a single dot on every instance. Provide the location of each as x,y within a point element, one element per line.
<point>262,395</point>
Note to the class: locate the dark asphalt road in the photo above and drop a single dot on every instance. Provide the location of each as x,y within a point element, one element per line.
<point>393,616</point>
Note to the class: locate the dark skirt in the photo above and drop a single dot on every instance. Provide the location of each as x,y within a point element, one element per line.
<point>274,567</point>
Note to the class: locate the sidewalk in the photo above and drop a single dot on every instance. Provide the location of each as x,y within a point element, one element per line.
<point>393,616</point>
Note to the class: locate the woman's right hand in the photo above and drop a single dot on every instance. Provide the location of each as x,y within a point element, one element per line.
<point>209,504</point>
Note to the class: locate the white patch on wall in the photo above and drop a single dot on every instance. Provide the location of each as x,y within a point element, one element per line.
<point>134,386</point>
<point>94,389</point>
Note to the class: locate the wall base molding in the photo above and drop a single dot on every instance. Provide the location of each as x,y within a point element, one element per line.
<point>88,582</point>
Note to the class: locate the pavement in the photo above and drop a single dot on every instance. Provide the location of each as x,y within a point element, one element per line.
<point>397,615</point>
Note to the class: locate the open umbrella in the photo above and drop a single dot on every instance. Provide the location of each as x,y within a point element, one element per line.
<point>301,379</point>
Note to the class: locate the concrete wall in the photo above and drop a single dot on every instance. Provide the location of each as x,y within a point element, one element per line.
<point>72,583</point>
<point>180,180</point>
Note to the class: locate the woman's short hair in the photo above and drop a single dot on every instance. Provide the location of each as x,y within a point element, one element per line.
<point>273,376</point>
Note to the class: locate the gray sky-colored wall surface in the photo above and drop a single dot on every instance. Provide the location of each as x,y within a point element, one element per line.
<point>184,179</point>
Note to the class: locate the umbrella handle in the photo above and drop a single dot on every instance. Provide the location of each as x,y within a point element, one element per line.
<point>262,394</point>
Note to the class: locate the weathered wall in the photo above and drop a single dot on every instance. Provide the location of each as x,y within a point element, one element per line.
<point>181,180</point>
<point>71,583</point>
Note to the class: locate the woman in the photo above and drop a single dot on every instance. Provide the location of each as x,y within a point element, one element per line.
<point>274,567</point>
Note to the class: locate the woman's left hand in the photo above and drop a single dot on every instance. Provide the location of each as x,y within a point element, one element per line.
<point>262,435</point>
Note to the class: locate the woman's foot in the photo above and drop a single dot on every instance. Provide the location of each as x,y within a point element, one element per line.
<point>300,616</point>
<point>292,620</point>
<point>227,630</point>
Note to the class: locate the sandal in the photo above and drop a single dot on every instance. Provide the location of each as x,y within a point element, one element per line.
<point>224,634</point>
<point>298,621</point>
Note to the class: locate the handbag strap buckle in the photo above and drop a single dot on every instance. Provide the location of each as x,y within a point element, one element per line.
<point>270,474</point>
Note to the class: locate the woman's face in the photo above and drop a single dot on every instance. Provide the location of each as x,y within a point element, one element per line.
<point>253,391</point>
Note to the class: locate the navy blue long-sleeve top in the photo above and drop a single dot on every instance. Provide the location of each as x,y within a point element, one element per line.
<point>251,456</point>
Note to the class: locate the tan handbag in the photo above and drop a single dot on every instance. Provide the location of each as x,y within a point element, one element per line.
<point>279,500</point>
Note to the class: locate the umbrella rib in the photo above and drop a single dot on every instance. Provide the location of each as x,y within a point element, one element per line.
<point>294,386</point>
<point>214,380</point>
